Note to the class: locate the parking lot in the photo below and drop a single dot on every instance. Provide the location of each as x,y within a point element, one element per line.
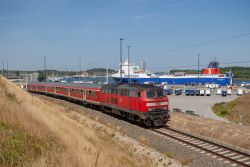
<point>201,105</point>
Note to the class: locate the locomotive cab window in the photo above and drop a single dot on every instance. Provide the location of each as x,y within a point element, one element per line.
<point>150,94</point>
<point>160,94</point>
<point>155,94</point>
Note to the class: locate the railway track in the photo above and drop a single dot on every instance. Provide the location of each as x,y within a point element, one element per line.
<point>229,156</point>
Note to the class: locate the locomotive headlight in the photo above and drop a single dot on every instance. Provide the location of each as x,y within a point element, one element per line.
<point>151,104</point>
<point>163,103</point>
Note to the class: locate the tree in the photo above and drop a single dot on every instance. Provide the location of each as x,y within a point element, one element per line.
<point>41,77</point>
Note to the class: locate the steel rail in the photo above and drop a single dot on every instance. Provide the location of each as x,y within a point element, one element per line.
<point>191,137</point>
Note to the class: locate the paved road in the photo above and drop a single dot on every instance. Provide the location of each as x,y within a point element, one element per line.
<point>201,105</point>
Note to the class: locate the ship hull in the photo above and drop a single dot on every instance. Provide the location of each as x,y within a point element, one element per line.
<point>223,81</point>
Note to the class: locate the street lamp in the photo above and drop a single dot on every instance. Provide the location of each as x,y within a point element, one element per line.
<point>121,39</point>
<point>128,64</point>
<point>44,61</point>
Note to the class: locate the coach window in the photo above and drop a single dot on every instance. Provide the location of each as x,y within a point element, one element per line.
<point>131,93</point>
<point>106,90</point>
<point>94,94</point>
<point>103,90</point>
<point>121,92</point>
<point>126,92</point>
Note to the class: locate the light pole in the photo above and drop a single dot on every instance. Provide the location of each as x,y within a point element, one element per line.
<point>121,39</point>
<point>44,63</point>
<point>3,69</point>
<point>80,64</point>
<point>198,67</point>
<point>7,69</point>
<point>128,64</point>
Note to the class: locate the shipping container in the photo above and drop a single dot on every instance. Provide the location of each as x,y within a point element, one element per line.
<point>178,91</point>
<point>239,92</point>
<point>218,92</point>
<point>202,92</point>
<point>187,92</point>
<point>223,93</point>
<point>169,91</point>
<point>192,93</point>
<point>229,92</point>
<point>197,92</point>
<point>208,92</point>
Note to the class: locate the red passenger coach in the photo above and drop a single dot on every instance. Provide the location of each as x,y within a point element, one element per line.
<point>146,104</point>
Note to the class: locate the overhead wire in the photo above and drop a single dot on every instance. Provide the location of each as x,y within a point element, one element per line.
<point>195,44</point>
<point>203,65</point>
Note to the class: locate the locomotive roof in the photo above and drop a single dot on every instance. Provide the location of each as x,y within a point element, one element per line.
<point>132,87</point>
<point>69,84</point>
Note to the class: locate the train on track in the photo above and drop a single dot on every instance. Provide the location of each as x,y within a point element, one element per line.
<point>145,104</point>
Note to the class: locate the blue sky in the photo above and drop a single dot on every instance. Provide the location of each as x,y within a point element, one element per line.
<point>64,30</point>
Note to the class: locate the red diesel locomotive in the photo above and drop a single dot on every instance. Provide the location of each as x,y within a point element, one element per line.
<point>146,104</point>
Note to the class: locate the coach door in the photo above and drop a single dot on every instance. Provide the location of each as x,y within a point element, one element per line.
<point>83,94</point>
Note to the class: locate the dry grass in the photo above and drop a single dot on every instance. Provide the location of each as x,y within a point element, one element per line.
<point>64,141</point>
<point>239,110</point>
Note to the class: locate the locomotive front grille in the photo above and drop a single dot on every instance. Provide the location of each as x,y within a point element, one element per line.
<point>157,109</point>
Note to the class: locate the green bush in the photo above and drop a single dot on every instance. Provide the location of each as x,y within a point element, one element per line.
<point>223,109</point>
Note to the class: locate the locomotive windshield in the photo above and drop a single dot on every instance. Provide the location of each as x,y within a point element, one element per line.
<point>155,94</point>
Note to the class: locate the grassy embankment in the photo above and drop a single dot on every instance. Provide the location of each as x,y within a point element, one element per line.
<point>35,132</point>
<point>237,111</point>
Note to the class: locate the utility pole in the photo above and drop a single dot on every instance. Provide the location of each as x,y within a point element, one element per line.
<point>107,79</point>
<point>198,67</point>
<point>128,64</point>
<point>121,59</point>
<point>45,75</point>
<point>80,65</point>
